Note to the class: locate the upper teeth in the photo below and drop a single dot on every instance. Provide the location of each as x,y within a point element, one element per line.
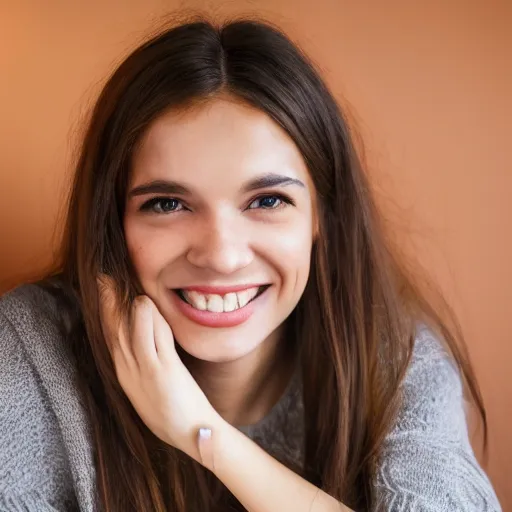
<point>219,303</point>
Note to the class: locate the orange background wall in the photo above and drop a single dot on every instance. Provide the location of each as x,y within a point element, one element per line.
<point>428,82</point>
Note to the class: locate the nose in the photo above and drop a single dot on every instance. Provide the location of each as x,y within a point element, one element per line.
<point>222,247</point>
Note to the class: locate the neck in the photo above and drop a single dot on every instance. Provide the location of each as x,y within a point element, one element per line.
<point>244,391</point>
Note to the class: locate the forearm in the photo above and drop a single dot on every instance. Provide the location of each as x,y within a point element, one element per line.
<point>260,482</point>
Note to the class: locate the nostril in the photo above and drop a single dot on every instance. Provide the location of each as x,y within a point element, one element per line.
<point>221,259</point>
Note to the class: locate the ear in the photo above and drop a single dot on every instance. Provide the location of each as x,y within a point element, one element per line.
<point>113,323</point>
<point>108,307</point>
<point>315,219</point>
<point>316,228</point>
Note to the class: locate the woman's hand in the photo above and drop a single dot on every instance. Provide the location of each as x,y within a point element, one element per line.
<point>157,383</point>
<point>173,406</point>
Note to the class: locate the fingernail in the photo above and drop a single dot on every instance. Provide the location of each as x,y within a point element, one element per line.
<point>205,433</point>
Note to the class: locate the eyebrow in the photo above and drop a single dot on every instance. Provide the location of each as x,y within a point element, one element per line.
<point>271,180</point>
<point>159,187</point>
<point>173,187</point>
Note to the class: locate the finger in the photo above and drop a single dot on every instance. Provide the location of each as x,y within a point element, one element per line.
<point>112,320</point>
<point>142,333</point>
<point>164,339</point>
<point>121,365</point>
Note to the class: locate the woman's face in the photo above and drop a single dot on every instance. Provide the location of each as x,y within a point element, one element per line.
<point>219,226</point>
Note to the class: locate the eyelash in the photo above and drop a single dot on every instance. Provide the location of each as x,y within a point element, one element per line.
<point>285,200</point>
<point>149,205</point>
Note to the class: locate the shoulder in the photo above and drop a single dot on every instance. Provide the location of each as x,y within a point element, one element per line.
<point>427,462</point>
<point>30,331</point>
<point>34,465</point>
<point>432,391</point>
<point>29,305</point>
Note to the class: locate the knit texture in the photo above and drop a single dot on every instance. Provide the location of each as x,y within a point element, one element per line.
<point>46,458</point>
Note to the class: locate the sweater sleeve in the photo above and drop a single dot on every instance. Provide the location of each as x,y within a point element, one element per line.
<point>428,464</point>
<point>34,472</point>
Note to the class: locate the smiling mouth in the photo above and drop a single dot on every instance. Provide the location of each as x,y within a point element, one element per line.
<point>217,303</point>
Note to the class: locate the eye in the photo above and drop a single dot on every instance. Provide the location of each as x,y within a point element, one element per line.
<point>162,205</point>
<point>269,202</point>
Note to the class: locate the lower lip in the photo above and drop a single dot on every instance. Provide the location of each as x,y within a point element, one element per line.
<point>210,319</point>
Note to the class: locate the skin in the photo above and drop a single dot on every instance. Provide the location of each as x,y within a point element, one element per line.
<point>220,234</point>
<point>174,407</point>
<point>191,403</point>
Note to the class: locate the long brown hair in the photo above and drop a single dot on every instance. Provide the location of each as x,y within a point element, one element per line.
<point>354,326</point>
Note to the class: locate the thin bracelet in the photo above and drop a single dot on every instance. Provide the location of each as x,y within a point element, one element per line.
<point>205,446</point>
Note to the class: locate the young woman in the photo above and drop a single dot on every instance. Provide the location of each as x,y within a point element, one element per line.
<point>227,328</point>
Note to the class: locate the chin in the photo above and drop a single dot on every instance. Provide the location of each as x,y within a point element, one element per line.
<point>218,345</point>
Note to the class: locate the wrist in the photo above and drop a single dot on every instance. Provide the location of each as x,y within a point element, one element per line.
<point>213,443</point>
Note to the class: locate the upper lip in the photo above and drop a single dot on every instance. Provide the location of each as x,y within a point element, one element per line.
<point>221,290</point>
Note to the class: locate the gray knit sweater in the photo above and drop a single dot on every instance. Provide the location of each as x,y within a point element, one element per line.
<point>46,459</point>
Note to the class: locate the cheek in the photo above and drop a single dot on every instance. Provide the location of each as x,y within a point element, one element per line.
<point>149,248</point>
<point>291,254</point>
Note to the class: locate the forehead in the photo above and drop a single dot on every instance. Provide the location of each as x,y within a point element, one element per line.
<point>220,139</point>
